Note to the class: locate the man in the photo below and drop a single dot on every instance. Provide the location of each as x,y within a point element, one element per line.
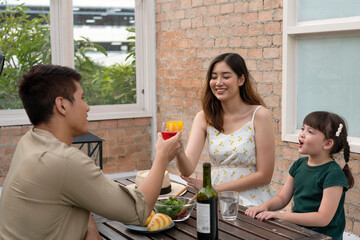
<point>51,188</point>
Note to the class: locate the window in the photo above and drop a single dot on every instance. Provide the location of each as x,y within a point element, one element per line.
<point>62,51</point>
<point>320,63</point>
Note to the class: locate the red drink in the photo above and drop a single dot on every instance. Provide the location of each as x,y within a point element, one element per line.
<point>167,135</point>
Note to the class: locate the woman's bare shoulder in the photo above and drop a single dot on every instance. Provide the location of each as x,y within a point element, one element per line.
<point>263,114</point>
<point>200,120</point>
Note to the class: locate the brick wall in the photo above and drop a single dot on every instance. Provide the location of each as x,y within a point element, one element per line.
<point>127,145</point>
<point>192,32</point>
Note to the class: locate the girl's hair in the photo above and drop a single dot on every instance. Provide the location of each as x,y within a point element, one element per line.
<point>211,105</point>
<point>333,127</point>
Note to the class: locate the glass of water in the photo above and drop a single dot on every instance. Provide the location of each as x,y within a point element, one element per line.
<point>229,204</point>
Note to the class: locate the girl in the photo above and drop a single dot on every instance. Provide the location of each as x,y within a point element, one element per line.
<point>239,132</point>
<point>317,182</point>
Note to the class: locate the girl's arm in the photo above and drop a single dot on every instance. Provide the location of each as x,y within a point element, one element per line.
<point>278,202</point>
<point>265,156</point>
<point>186,162</point>
<point>321,218</point>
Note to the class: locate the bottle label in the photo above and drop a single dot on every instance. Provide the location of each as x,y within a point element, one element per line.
<point>203,217</point>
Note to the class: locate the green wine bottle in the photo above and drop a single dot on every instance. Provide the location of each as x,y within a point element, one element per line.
<point>207,208</point>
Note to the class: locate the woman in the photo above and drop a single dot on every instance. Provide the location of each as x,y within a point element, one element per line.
<point>239,132</point>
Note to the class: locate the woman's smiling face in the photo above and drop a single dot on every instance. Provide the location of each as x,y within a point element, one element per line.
<point>224,82</point>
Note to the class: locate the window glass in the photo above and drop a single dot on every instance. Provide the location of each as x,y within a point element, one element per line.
<point>104,36</point>
<point>328,76</point>
<point>308,10</point>
<point>24,41</point>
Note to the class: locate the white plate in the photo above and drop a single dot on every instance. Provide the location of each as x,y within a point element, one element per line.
<point>144,229</point>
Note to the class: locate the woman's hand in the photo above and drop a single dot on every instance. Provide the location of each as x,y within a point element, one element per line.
<point>193,182</point>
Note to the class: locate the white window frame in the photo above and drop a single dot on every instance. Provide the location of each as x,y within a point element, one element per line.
<point>61,13</point>
<point>293,30</point>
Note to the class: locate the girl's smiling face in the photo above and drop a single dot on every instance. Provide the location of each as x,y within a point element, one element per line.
<point>224,82</point>
<point>311,141</point>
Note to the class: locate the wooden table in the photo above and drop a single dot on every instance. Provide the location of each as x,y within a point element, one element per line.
<point>243,227</point>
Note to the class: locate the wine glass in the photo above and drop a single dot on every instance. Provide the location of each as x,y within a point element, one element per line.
<point>170,128</point>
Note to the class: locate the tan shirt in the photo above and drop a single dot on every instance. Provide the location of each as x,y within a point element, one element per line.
<point>51,189</point>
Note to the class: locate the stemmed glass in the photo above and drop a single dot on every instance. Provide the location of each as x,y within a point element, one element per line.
<point>170,128</point>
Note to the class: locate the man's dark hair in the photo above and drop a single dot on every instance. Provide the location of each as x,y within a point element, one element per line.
<point>40,87</point>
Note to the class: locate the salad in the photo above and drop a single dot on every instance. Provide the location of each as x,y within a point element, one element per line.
<point>170,207</point>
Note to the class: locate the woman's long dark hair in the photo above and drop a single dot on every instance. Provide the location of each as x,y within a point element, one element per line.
<point>333,127</point>
<point>211,105</point>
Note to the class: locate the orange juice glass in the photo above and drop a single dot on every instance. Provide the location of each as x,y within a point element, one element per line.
<point>170,128</point>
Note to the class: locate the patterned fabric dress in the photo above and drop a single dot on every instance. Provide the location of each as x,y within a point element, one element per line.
<point>233,156</point>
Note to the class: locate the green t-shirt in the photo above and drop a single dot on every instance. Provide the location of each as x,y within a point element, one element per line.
<point>309,184</point>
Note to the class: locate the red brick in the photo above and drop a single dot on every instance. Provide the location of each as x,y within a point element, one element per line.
<point>241,30</point>
<point>272,4</point>
<point>273,27</point>
<point>108,124</point>
<point>277,65</point>
<point>352,196</point>
<point>264,89</point>
<point>264,41</point>
<point>214,10</point>
<point>255,29</point>
<point>185,23</point>
<point>352,211</point>
<point>278,14</point>
<point>241,6</point>
<point>251,65</point>
<point>10,131</point>
<point>265,16</point>
<point>209,21</point>
<point>185,3</point>
<point>196,3</point>
<point>282,165</point>
<point>226,8</point>
<point>8,151</point>
<point>196,22</point>
<point>250,17</point>
<point>271,77</point>
<point>272,101</point>
<point>264,65</point>
<point>271,53</point>
<point>142,165</point>
<point>125,122</point>
<point>255,5</point>
<point>248,42</point>
<point>356,228</point>
<point>277,89</point>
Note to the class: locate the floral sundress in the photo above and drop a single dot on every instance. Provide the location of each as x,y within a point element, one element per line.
<point>233,156</point>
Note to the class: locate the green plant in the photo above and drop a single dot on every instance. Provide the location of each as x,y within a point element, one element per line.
<point>26,42</point>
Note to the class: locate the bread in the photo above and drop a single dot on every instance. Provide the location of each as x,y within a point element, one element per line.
<point>149,218</point>
<point>159,221</point>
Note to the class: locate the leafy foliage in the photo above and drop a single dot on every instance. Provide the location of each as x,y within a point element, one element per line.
<point>25,42</point>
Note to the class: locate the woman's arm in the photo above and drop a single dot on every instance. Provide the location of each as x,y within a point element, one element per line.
<point>165,151</point>
<point>321,218</point>
<point>186,161</point>
<point>265,156</point>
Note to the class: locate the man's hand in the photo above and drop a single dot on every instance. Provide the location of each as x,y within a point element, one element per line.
<point>168,148</point>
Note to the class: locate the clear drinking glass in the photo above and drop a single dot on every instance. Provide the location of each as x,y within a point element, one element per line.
<point>170,128</point>
<point>229,204</point>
